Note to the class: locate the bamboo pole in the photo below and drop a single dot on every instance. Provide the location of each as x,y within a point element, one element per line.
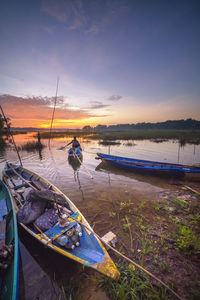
<point>130,260</point>
<point>8,127</point>
<point>191,189</point>
<point>83,165</point>
<point>53,111</point>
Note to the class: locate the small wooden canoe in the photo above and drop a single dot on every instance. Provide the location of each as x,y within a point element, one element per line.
<point>147,165</point>
<point>9,247</point>
<point>88,250</point>
<point>75,152</point>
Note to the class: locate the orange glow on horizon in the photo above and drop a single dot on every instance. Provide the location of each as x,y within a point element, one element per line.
<point>57,123</point>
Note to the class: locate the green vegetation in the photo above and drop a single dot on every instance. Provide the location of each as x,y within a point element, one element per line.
<point>163,237</point>
<point>30,146</point>
<point>3,125</point>
<point>132,285</point>
<point>161,135</point>
<point>180,135</point>
<point>187,240</point>
<point>2,145</point>
<point>167,125</point>
<point>186,224</point>
<point>60,134</point>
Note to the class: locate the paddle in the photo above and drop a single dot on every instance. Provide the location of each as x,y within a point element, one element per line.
<point>63,147</point>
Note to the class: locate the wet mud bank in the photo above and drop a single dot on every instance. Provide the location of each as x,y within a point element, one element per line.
<point>157,227</point>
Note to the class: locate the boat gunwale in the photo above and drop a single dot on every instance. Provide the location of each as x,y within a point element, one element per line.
<point>89,230</point>
<point>15,284</point>
<point>147,164</point>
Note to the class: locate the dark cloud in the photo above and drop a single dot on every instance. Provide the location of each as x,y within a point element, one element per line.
<point>114,98</point>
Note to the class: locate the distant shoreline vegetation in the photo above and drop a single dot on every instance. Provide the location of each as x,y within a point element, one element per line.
<point>170,125</point>
<point>184,131</point>
<point>188,124</point>
<point>158,136</point>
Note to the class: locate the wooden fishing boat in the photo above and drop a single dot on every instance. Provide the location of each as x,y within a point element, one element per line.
<point>71,235</point>
<point>73,153</point>
<point>147,165</point>
<point>9,249</point>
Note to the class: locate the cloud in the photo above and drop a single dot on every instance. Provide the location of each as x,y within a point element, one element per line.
<point>66,12</point>
<point>49,30</point>
<point>114,98</point>
<point>92,16</point>
<point>93,29</point>
<point>96,105</point>
<point>40,108</point>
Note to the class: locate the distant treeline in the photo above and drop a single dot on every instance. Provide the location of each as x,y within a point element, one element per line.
<point>170,125</point>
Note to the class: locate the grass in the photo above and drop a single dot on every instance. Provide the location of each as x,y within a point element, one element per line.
<point>183,136</point>
<point>60,134</point>
<point>186,224</point>
<point>29,146</point>
<point>132,285</point>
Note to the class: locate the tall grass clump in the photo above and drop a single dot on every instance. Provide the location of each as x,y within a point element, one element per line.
<point>183,136</point>
<point>132,285</point>
<point>30,146</point>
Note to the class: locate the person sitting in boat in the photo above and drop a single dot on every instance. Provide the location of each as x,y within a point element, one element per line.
<point>75,143</point>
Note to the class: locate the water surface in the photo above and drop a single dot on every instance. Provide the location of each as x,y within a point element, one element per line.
<point>43,273</point>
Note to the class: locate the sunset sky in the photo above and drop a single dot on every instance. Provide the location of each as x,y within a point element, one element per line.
<point>118,61</point>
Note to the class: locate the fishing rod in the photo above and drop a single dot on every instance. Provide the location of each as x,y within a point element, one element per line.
<point>53,111</point>
<point>10,133</point>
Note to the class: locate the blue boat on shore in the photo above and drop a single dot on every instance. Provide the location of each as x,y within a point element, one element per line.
<point>53,220</point>
<point>9,247</point>
<point>147,165</point>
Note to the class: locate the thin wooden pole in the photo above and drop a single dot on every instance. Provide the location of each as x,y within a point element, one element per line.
<point>53,111</point>
<point>11,134</point>
<point>83,165</point>
<point>191,189</point>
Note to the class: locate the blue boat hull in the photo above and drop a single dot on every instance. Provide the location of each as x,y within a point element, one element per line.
<point>147,165</point>
<point>73,153</point>
<point>9,280</point>
<point>90,252</point>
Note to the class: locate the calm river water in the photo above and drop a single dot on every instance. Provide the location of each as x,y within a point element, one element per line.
<point>43,274</point>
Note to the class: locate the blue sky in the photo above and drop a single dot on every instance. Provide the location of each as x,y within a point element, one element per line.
<point>118,61</point>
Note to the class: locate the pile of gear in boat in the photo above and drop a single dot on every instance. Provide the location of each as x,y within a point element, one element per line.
<point>45,209</point>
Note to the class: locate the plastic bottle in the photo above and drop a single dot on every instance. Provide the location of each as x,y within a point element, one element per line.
<point>62,240</point>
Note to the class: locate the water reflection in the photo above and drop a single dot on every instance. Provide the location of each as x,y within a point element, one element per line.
<point>2,146</point>
<point>56,277</point>
<point>44,272</point>
<point>76,164</point>
<point>159,180</point>
<point>40,153</point>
